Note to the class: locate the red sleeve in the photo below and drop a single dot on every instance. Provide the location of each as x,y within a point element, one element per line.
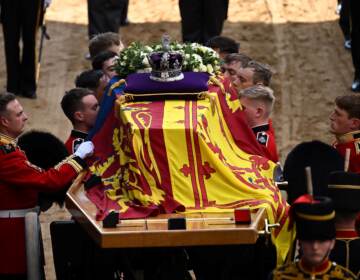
<point>17,171</point>
<point>354,164</point>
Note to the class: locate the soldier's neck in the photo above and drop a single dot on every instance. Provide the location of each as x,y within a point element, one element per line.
<point>81,127</point>
<point>311,269</point>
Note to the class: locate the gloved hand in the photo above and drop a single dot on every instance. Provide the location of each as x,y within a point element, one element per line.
<point>85,149</point>
<point>47,3</point>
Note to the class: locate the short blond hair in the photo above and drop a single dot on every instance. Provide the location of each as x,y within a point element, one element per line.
<point>260,93</point>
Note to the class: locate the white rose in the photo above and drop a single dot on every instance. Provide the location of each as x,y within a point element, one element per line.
<point>195,70</point>
<point>148,49</point>
<point>197,57</point>
<point>203,68</point>
<point>210,69</point>
<point>203,49</point>
<point>145,61</point>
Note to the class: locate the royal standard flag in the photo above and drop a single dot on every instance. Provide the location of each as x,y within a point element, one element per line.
<point>184,155</point>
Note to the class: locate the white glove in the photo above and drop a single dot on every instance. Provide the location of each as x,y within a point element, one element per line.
<point>85,149</point>
<point>47,3</point>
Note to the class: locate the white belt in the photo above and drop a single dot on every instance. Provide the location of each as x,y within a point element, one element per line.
<point>18,213</point>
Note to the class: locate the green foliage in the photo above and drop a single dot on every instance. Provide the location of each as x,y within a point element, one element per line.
<point>197,58</point>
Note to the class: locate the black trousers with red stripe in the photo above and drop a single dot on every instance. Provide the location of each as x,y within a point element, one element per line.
<point>20,20</point>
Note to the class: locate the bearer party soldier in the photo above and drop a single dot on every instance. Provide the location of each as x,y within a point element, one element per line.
<point>253,73</point>
<point>20,184</point>
<point>257,103</point>
<point>232,64</point>
<point>315,229</point>
<point>345,125</point>
<point>81,107</point>
<point>108,41</point>
<point>223,46</point>
<point>95,80</point>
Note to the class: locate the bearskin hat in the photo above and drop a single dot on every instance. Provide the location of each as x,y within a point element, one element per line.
<point>44,150</point>
<point>322,159</point>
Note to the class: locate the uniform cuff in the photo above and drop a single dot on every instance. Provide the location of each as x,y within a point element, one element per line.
<point>79,161</point>
<point>76,162</point>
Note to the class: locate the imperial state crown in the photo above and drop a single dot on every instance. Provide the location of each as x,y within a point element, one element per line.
<point>166,64</point>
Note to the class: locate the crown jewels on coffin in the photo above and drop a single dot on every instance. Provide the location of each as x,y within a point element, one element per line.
<point>166,64</point>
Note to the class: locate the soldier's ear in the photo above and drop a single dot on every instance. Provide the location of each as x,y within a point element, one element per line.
<point>78,116</point>
<point>260,111</point>
<point>4,121</point>
<point>355,123</point>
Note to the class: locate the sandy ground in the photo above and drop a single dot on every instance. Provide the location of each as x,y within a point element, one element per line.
<point>299,38</point>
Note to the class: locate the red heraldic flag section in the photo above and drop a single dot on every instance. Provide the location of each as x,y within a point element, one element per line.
<point>185,155</point>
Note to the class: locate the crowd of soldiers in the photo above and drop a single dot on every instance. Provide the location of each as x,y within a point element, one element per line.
<point>327,244</point>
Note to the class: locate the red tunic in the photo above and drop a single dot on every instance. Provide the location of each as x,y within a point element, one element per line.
<point>75,139</point>
<point>20,182</point>
<point>350,141</point>
<point>265,136</point>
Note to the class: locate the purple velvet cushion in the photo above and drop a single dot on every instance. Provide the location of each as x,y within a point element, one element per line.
<point>141,83</point>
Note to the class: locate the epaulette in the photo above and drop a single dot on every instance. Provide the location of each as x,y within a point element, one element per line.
<point>350,136</point>
<point>4,140</point>
<point>340,272</point>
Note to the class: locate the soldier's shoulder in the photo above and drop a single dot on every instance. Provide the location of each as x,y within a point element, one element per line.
<point>339,272</point>
<point>7,144</point>
<point>6,148</point>
<point>288,271</point>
